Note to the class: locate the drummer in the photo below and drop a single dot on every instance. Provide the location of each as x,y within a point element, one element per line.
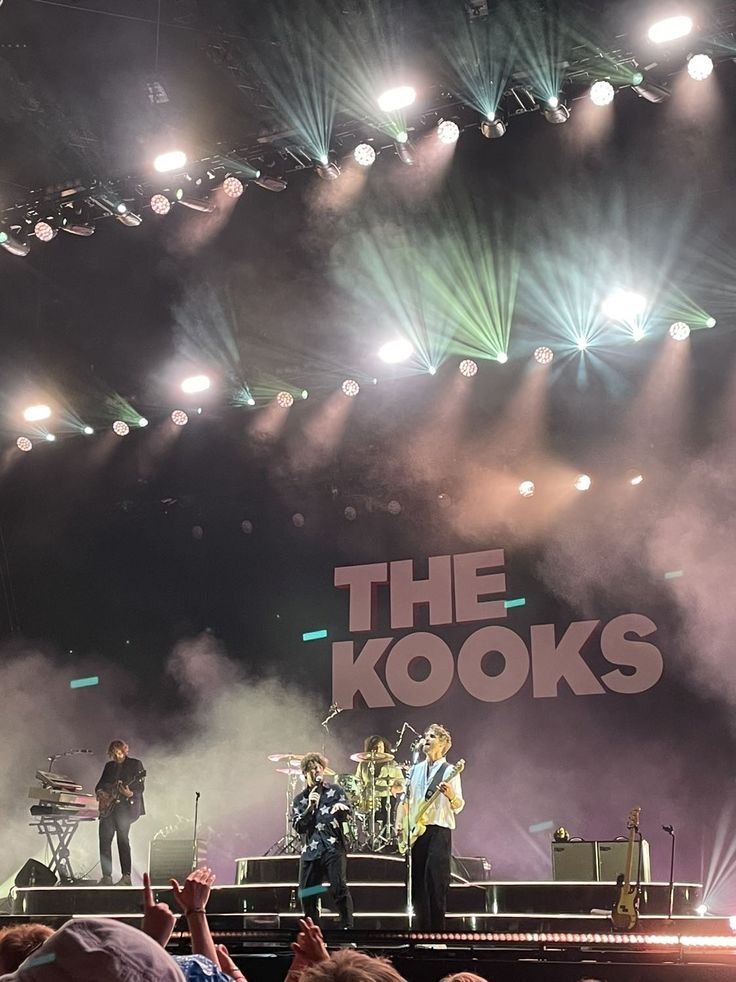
<point>389,777</point>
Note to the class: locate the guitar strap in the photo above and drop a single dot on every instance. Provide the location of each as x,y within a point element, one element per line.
<point>436,781</point>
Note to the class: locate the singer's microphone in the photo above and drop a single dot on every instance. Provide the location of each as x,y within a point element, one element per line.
<point>318,779</point>
<point>668,828</point>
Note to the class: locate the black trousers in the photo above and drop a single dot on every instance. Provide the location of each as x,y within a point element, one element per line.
<point>430,857</point>
<point>332,866</point>
<point>117,822</point>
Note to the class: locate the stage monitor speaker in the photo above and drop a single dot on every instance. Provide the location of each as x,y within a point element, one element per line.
<point>574,861</point>
<point>35,874</point>
<point>612,860</point>
<point>174,859</point>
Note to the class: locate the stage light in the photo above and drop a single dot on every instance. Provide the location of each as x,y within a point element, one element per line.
<point>448,131</point>
<point>350,513</point>
<point>444,500</point>
<point>87,430</point>
<point>432,370</point>
<point>268,183</point>
<point>670,29</point>
<point>468,368</point>
<point>602,93</point>
<point>285,400</point>
<point>160,204</point>
<point>634,477</point>
<point>364,154</point>
<point>502,357</point>
<point>395,99</point>
<point>250,401</point>
<point>711,322</point>
<point>582,482</point>
<point>44,231</point>
<point>11,240</point>
<point>328,171</point>
<point>120,428</point>
<point>24,444</point>
<point>172,160</point>
<point>350,387</point>
<point>623,305</point>
<point>35,413</point>
<point>679,331</point>
<point>395,351</point>
<point>543,355</point>
<point>651,91</point>
<point>179,417</point>
<point>637,332</point>
<point>194,196</point>
<point>527,489</point>
<point>404,149</point>
<point>195,383</point>
<point>701,910</point>
<point>246,527</point>
<point>393,507</point>
<point>50,438</point>
<point>305,393</point>
<point>581,344</point>
<point>142,422</point>
<point>233,186</point>
<point>76,220</point>
<point>555,111</point>
<point>298,520</point>
<point>700,67</point>
<point>732,922</point>
<point>493,127</point>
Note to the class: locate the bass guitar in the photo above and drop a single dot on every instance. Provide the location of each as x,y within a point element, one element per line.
<point>408,836</point>
<point>625,911</point>
<point>108,798</point>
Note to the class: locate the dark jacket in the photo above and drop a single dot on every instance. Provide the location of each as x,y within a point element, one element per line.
<point>129,772</point>
<point>322,831</point>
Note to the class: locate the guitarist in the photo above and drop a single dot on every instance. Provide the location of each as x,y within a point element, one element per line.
<point>431,852</point>
<point>120,795</point>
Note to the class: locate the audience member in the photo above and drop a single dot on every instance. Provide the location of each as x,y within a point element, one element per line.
<point>348,965</point>
<point>17,942</point>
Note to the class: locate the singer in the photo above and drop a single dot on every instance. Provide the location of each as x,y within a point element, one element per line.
<point>120,795</point>
<point>432,850</point>
<point>319,814</point>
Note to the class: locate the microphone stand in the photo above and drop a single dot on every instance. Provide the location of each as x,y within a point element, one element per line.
<point>671,889</point>
<point>334,710</point>
<point>409,861</point>
<point>195,851</point>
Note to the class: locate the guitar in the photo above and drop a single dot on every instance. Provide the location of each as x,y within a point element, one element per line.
<point>408,836</point>
<point>108,799</point>
<point>625,911</point>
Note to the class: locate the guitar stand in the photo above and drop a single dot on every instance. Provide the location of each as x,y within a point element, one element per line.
<point>59,833</point>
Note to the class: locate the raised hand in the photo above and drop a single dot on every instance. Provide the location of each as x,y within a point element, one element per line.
<point>158,919</point>
<point>227,964</point>
<point>309,946</point>
<point>196,890</point>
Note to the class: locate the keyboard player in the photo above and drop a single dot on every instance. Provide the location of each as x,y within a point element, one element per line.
<point>120,794</point>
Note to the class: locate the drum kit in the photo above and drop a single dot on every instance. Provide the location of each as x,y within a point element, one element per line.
<point>373,794</point>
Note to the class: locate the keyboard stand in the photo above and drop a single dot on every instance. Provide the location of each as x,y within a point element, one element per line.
<point>59,831</point>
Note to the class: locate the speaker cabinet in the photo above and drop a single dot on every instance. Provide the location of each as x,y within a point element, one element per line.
<point>612,860</point>
<point>174,859</point>
<point>574,861</point>
<point>35,874</point>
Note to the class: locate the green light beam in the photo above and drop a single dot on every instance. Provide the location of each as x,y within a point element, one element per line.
<point>314,635</point>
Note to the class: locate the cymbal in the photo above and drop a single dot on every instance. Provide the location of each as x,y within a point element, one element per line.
<point>288,770</point>
<point>277,758</point>
<point>366,756</point>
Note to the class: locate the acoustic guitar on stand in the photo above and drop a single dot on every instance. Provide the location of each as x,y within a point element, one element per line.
<point>625,911</point>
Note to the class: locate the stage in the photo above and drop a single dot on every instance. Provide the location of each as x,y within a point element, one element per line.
<point>501,930</point>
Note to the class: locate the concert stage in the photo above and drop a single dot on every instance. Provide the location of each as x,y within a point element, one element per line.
<point>502,930</point>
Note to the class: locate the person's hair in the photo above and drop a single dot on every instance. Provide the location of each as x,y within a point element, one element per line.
<point>16,944</point>
<point>443,732</point>
<point>371,742</point>
<point>352,966</point>
<point>313,758</point>
<point>116,745</point>
<point>463,977</point>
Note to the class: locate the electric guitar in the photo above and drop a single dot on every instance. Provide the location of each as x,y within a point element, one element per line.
<point>408,836</point>
<point>107,799</point>
<point>625,911</point>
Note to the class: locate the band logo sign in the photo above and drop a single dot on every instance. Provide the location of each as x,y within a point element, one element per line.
<point>468,588</point>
